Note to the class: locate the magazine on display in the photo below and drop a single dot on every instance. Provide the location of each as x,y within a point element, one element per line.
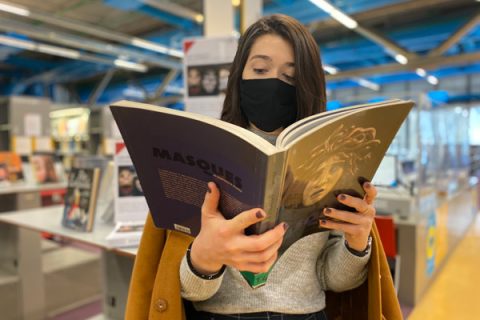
<point>126,234</point>
<point>129,200</point>
<point>177,153</point>
<point>44,168</point>
<point>10,168</point>
<point>81,198</point>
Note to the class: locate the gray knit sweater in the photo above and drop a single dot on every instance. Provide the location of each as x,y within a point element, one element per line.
<point>295,285</point>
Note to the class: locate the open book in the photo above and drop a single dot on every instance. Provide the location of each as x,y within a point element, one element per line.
<point>177,153</point>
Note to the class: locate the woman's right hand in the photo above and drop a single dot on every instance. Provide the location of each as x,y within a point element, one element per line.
<point>223,242</point>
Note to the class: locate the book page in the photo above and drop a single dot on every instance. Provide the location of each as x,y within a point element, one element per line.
<point>336,157</point>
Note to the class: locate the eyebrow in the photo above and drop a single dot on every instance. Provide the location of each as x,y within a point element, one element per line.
<point>267,58</point>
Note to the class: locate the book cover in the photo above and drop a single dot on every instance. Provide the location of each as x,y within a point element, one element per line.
<point>11,170</point>
<point>177,153</point>
<point>126,234</point>
<point>129,200</point>
<point>43,168</point>
<point>81,199</point>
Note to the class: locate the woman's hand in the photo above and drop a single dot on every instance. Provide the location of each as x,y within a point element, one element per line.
<point>355,225</point>
<point>223,242</point>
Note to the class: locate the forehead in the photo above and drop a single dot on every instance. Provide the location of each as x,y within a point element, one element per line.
<point>273,46</point>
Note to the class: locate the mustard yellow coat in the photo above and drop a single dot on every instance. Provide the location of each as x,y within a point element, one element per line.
<point>154,292</point>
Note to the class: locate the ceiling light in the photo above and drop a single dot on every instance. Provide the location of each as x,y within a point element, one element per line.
<point>68,53</point>
<point>14,9</point>
<point>335,13</point>
<point>401,58</point>
<point>199,18</point>
<point>17,43</point>
<point>367,84</point>
<point>149,45</point>
<point>421,72</point>
<point>432,80</point>
<point>236,3</point>
<point>330,69</point>
<point>130,65</point>
<point>57,51</point>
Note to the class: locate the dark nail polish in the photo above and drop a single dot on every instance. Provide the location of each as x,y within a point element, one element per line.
<point>368,185</point>
<point>259,214</point>
<point>285,226</point>
<point>342,197</point>
<point>328,211</point>
<point>323,221</point>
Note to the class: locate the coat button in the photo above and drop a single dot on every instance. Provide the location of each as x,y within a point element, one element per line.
<point>161,305</point>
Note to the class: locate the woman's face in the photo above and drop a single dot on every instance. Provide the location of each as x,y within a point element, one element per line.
<point>193,77</point>
<point>270,57</point>
<point>209,81</point>
<point>125,178</point>
<point>326,176</point>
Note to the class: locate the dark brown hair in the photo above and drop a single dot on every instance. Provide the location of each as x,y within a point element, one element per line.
<point>309,75</point>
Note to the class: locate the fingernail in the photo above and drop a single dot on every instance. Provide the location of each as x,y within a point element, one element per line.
<point>285,226</point>
<point>367,185</point>
<point>327,211</point>
<point>342,197</point>
<point>208,189</point>
<point>259,214</point>
<point>323,221</point>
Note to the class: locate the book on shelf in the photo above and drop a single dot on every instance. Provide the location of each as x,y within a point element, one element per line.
<point>177,153</point>
<point>43,168</point>
<point>126,234</point>
<point>81,197</point>
<point>11,170</point>
<point>129,200</point>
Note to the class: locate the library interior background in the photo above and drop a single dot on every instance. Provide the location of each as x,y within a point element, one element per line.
<point>72,208</point>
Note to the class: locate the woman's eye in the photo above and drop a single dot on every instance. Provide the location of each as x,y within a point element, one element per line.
<point>260,71</point>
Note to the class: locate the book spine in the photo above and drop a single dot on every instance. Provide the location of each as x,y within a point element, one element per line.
<point>93,199</point>
<point>275,178</point>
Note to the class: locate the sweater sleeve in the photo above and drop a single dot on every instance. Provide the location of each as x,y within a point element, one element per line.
<point>338,269</point>
<point>193,287</point>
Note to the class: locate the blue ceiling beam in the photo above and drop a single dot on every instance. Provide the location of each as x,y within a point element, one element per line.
<point>34,65</point>
<point>441,73</point>
<point>139,6</point>
<point>130,90</point>
<point>306,12</point>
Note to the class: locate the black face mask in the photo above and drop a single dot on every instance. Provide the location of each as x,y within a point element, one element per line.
<point>268,103</point>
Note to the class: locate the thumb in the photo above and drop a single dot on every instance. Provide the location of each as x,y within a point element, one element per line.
<point>210,203</point>
<point>246,218</point>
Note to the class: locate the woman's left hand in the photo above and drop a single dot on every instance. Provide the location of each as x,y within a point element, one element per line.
<point>355,225</point>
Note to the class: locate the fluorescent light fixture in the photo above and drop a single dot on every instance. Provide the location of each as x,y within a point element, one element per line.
<point>401,58</point>
<point>17,43</point>
<point>421,72</point>
<point>367,84</point>
<point>432,80</point>
<point>14,9</point>
<point>68,112</point>
<point>335,13</point>
<point>236,3</point>
<point>57,51</point>
<point>330,69</point>
<point>149,45</point>
<point>199,18</point>
<point>130,65</point>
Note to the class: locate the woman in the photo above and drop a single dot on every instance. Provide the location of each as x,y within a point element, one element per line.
<point>276,78</point>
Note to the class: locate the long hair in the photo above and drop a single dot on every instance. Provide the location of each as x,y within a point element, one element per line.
<point>309,75</point>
